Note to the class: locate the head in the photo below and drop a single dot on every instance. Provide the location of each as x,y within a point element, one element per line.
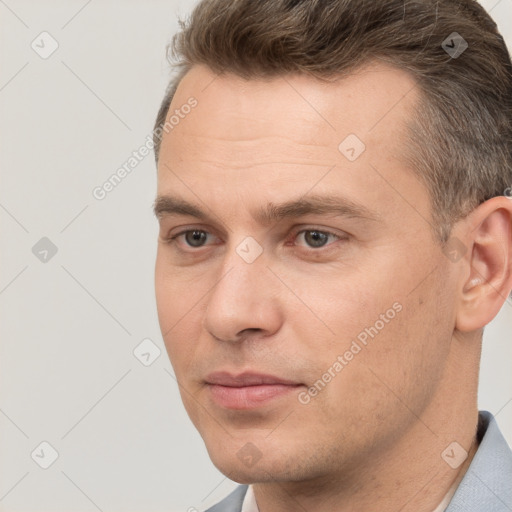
<point>332,213</point>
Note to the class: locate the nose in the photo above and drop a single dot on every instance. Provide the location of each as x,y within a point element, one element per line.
<point>244,301</point>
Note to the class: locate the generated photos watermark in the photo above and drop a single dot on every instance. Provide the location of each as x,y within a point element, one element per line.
<point>366,335</point>
<point>100,192</point>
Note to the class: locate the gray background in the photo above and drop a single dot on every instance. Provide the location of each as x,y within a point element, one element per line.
<point>70,325</point>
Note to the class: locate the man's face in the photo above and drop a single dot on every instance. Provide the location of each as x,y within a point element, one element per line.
<point>349,312</point>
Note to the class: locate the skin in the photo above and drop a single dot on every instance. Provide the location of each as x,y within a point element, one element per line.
<point>373,437</point>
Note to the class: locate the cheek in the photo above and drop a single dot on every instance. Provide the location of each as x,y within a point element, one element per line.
<point>406,358</point>
<point>338,306</point>
<point>382,334</point>
<point>178,312</point>
<point>176,293</point>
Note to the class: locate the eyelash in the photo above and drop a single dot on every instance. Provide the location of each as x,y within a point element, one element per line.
<point>172,239</point>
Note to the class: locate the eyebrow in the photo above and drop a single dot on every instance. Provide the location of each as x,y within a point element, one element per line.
<point>312,205</point>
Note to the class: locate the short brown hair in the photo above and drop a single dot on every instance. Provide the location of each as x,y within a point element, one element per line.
<point>460,138</point>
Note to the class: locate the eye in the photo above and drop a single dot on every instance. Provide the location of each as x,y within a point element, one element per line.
<point>316,238</point>
<point>311,238</point>
<point>192,237</point>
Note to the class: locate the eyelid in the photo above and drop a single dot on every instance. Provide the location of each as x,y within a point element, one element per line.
<point>185,228</point>
<point>325,231</point>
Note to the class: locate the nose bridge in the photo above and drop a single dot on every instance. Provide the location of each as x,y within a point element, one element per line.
<point>241,298</point>
<point>243,266</point>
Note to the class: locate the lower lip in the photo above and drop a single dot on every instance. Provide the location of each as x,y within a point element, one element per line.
<point>248,397</point>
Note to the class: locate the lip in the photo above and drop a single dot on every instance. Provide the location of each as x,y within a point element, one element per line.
<point>247,390</point>
<point>246,379</point>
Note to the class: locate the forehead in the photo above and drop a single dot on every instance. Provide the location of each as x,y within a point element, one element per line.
<point>369,102</point>
<point>269,139</point>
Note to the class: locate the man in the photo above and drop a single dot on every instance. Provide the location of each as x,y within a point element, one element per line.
<point>334,237</point>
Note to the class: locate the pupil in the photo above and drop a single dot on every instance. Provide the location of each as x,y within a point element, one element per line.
<point>195,238</point>
<point>318,239</point>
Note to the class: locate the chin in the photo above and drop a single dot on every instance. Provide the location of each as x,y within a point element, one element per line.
<point>247,465</point>
<point>241,474</point>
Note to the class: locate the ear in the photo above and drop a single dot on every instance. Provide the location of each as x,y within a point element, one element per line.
<point>487,282</point>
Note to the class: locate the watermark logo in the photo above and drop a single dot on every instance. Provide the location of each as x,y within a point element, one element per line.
<point>44,250</point>
<point>44,45</point>
<point>249,250</point>
<point>249,454</point>
<point>454,249</point>
<point>454,45</point>
<point>44,455</point>
<point>352,147</point>
<point>146,352</point>
<point>454,455</point>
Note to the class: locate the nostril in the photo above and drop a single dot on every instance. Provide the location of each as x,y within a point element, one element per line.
<point>250,330</point>
<point>245,333</point>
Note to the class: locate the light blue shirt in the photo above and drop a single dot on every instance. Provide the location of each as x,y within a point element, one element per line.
<point>486,486</point>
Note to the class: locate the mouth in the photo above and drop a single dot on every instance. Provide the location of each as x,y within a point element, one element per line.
<point>247,390</point>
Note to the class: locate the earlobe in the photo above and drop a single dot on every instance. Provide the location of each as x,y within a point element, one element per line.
<point>488,283</point>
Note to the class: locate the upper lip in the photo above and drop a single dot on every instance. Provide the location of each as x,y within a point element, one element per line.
<point>246,379</point>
